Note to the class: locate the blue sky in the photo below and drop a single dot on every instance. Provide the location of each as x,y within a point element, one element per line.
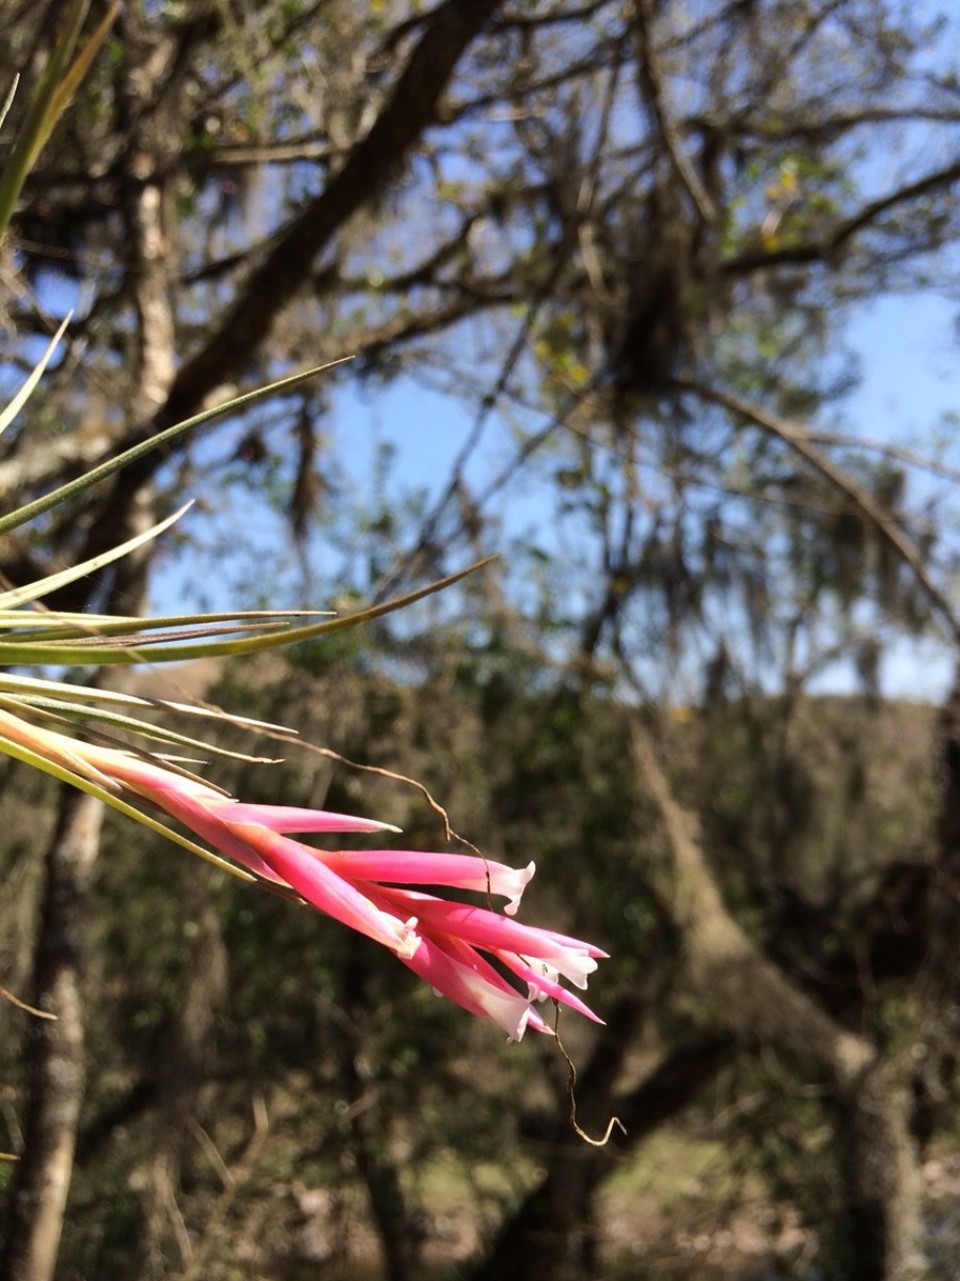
<point>910,380</point>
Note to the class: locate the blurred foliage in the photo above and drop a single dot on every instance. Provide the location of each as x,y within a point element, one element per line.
<point>628,240</point>
<point>337,1043</point>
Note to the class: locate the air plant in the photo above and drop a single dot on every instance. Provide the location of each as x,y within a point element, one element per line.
<point>483,959</point>
<point>59,727</point>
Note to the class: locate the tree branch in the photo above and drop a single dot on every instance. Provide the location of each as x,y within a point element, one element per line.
<point>750,996</point>
<point>799,440</point>
<point>366,172</point>
<point>825,246</point>
<point>651,85</point>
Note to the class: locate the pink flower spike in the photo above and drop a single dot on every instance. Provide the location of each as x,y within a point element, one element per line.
<point>572,958</point>
<point>476,987</point>
<point>443,942</point>
<point>456,871</point>
<point>194,804</point>
<point>203,816</point>
<point>325,890</point>
<point>542,985</point>
<point>288,818</point>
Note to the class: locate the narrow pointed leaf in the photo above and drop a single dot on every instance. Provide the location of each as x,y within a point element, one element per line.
<point>23,395</point>
<point>44,586</point>
<point>71,80</point>
<point>8,414</point>
<point>8,100</point>
<point>17,653</point>
<point>83,695</point>
<point>40,116</point>
<point>30,510</point>
<point>51,625</point>
<point>69,715</point>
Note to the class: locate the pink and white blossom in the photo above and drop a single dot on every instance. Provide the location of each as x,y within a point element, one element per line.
<point>461,949</point>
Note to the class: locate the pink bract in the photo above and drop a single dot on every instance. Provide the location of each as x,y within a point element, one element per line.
<point>452,945</point>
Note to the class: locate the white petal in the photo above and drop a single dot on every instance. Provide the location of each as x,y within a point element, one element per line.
<point>512,886</point>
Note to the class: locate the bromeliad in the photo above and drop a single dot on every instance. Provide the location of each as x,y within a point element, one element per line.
<point>446,943</point>
<point>465,951</point>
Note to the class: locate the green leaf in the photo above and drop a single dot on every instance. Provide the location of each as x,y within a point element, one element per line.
<point>56,496</point>
<point>54,92</point>
<point>23,395</point>
<point>83,696</point>
<point>93,650</point>
<point>44,586</point>
<point>68,714</point>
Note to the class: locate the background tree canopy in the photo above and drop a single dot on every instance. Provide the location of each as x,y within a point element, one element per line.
<point>626,243</point>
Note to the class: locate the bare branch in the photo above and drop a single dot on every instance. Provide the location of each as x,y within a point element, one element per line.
<point>798,439</point>
<point>652,86</point>
<point>827,245</point>
<point>365,173</point>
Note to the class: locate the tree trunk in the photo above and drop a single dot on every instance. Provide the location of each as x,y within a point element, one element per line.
<point>182,1072</point>
<point>58,1074</point>
<point>878,1168</point>
<point>750,996</point>
<point>396,1220</point>
<point>551,1232</point>
<point>56,1051</point>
